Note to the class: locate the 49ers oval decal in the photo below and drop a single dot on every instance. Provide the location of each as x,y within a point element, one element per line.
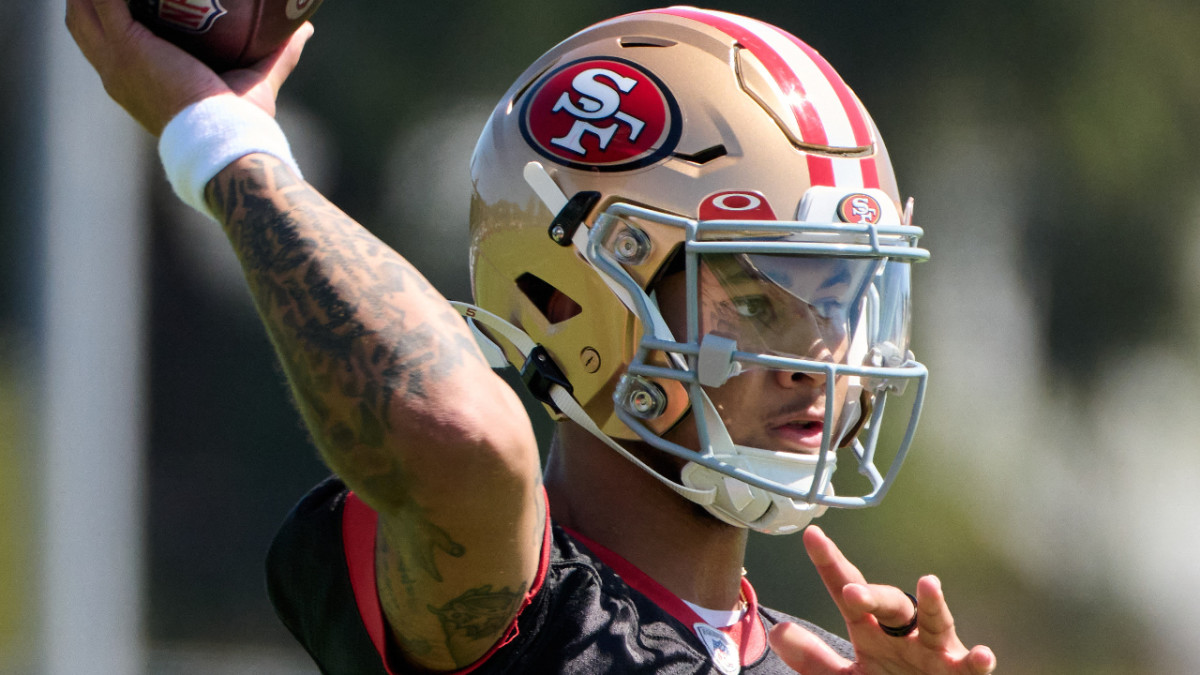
<point>603,114</point>
<point>859,208</point>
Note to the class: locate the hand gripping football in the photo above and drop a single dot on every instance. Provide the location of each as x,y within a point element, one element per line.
<point>224,34</point>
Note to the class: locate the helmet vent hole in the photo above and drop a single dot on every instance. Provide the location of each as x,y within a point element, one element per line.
<point>512,103</point>
<point>704,156</point>
<point>555,305</point>
<point>645,41</point>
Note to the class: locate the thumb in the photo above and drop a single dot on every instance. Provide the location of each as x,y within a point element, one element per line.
<point>262,81</point>
<point>804,652</point>
<point>287,57</point>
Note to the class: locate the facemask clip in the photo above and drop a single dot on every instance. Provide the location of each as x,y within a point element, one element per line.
<point>715,364</point>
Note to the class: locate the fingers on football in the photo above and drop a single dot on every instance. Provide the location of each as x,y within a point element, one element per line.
<point>100,28</point>
<point>275,68</point>
<point>113,16</point>
<point>83,23</point>
<point>804,652</point>
<point>290,55</point>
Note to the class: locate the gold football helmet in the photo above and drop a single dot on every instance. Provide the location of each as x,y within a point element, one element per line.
<point>676,201</point>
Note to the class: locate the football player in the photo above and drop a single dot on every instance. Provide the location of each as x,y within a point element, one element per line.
<point>687,236</point>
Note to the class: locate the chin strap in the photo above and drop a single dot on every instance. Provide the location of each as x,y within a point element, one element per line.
<point>559,395</point>
<point>743,505</point>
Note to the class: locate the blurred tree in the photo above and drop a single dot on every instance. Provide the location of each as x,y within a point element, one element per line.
<point>21,42</point>
<point>1108,94</point>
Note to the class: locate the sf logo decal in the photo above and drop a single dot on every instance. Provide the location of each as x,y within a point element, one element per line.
<point>605,114</point>
<point>597,101</point>
<point>858,208</point>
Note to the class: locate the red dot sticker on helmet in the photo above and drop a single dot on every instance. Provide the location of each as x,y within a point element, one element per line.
<point>859,208</point>
<point>736,205</point>
<point>605,113</point>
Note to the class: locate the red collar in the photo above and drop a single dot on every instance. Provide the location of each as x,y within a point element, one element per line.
<point>359,523</point>
<point>749,633</point>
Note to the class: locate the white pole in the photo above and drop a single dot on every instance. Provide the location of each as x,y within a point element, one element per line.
<point>92,371</point>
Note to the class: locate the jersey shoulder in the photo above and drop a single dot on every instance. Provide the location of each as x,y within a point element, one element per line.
<point>308,582</point>
<point>583,613</point>
<point>840,645</point>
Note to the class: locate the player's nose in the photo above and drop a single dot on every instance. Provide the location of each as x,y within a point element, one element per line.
<point>792,379</point>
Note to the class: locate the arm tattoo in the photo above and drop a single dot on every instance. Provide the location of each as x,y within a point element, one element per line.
<point>339,305</point>
<point>365,342</point>
<point>479,614</point>
<point>422,541</point>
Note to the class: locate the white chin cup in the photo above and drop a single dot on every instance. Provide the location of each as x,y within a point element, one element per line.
<point>744,505</point>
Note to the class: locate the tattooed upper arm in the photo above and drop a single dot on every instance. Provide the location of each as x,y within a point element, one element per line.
<point>403,407</point>
<point>450,598</point>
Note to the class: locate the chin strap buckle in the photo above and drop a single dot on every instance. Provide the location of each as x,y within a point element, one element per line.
<point>570,217</point>
<point>539,373</point>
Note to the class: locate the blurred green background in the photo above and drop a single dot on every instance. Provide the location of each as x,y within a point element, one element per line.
<point>1051,148</point>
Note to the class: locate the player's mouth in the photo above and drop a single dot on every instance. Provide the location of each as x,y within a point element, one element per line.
<point>802,435</point>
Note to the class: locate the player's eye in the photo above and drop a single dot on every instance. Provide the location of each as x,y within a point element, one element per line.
<point>755,307</point>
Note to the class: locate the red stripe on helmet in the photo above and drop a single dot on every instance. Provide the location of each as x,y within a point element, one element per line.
<point>811,129</point>
<point>854,112</point>
<point>820,170</point>
<point>870,172</point>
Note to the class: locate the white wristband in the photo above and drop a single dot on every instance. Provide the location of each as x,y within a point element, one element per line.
<point>208,136</point>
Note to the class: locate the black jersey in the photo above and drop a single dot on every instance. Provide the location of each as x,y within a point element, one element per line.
<point>590,611</point>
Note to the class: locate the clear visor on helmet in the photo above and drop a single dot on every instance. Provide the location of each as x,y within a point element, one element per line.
<point>803,307</point>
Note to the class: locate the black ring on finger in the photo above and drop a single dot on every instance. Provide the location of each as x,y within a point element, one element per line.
<point>907,628</point>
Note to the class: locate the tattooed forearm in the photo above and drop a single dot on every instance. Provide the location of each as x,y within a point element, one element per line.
<point>338,304</point>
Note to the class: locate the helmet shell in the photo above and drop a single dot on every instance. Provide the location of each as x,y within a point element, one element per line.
<point>662,109</point>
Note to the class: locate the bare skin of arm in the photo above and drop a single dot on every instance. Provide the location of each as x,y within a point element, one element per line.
<point>402,406</point>
<point>398,398</point>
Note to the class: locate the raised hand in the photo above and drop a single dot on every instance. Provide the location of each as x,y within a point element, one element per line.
<point>152,78</point>
<point>932,647</point>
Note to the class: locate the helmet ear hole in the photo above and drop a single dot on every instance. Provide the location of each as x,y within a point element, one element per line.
<point>555,305</point>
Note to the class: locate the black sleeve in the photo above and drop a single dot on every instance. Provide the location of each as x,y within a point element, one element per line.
<point>309,585</point>
<point>840,645</point>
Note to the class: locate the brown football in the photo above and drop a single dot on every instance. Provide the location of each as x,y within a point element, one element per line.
<point>224,34</point>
